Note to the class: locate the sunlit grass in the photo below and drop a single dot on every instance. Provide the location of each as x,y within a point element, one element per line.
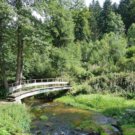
<point>98,102</point>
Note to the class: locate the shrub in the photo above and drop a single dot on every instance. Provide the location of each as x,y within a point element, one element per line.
<point>3,93</point>
<point>122,83</point>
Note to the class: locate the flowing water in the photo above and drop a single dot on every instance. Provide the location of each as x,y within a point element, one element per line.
<point>54,118</point>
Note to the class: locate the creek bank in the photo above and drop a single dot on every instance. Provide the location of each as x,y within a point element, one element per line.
<point>110,105</point>
<point>59,119</point>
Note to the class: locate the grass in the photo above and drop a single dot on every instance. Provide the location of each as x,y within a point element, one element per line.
<point>98,102</point>
<point>109,104</point>
<point>14,119</point>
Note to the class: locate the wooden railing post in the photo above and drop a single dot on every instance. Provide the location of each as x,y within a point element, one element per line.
<point>35,81</point>
<point>41,80</point>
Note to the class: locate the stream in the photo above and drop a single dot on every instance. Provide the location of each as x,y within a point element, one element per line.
<point>52,118</point>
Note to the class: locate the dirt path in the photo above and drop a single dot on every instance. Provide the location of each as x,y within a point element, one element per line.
<point>3,102</point>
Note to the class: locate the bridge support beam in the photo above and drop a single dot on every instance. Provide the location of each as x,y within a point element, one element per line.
<point>18,101</point>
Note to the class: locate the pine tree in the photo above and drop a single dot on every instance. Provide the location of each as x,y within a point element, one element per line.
<point>61,25</point>
<point>94,21</point>
<point>127,11</point>
<point>107,9</point>
<point>82,30</point>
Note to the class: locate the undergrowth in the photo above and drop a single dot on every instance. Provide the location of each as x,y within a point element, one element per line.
<point>14,119</point>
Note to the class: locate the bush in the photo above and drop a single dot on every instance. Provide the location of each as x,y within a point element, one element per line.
<point>130,52</point>
<point>122,83</point>
<point>3,93</point>
<point>128,117</point>
<point>82,88</point>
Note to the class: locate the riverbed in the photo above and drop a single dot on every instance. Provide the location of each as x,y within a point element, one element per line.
<point>53,118</point>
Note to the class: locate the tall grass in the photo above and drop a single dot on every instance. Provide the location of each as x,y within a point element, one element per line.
<point>108,104</point>
<point>14,119</point>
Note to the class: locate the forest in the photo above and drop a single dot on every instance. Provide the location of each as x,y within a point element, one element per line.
<point>66,38</point>
<point>93,47</point>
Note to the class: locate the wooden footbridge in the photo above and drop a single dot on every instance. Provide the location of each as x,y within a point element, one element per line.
<point>33,87</point>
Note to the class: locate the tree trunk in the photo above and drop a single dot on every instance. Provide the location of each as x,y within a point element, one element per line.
<point>19,70</point>
<point>3,72</point>
<point>4,78</point>
<point>2,57</point>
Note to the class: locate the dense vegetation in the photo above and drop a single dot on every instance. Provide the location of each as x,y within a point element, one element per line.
<point>14,119</point>
<point>65,38</point>
<point>94,47</point>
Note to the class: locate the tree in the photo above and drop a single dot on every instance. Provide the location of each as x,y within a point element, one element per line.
<point>82,30</point>
<point>6,14</point>
<point>94,20</point>
<point>117,46</point>
<point>115,7</point>
<point>131,35</point>
<point>127,11</point>
<point>107,9</point>
<point>76,4</point>
<point>24,27</point>
<point>111,21</point>
<point>115,24</point>
<point>61,25</point>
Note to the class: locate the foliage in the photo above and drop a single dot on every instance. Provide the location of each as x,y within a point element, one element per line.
<point>14,119</point>
<point>61,25</point>
<point>128,117</point>
<point>121,83</point>
<point>3,93</point>
<point>126,9</point>
<point>115,24</point>
<point>131,35</point>
<point>94,20</point>
<point>82,30</point>
<point>64,38</point>
<point>65,43</point>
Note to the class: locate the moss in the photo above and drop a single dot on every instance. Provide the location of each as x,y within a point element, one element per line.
<point>89,126</point>
<point>43,117</point>
<point>128,129</point>
<point>86,125</point>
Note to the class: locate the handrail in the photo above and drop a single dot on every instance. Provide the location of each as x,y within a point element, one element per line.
<point>37,80</point>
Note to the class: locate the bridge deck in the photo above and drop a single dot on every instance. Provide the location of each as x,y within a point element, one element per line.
<point>21,91</point>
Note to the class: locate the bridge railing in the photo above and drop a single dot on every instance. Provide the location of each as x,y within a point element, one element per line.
<point>47,82</point>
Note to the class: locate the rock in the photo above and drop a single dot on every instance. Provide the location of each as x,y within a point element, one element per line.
<point>38,132</point>
<point>56,134</point>
<point>94,133</point>
<point>79,132</point>
<point>62,133</point>
<point>130,110</point>
<point>112,121</point>
<point>48,124</point>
